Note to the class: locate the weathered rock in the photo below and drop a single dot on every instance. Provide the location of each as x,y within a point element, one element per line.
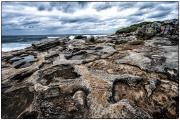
<point>22,75</point>
<point>57,73</point>
<point>152,85</point>
<point>137,59</point>
<point>91,39</point>
<point>149,30</point>
<point>80,37</point>
<point>165,29</point>
<point>14,59</point>
<point>127,110</point>
<point>80,97</point>
<point>47,44</point>
<point>51,92</point>
<point>129,80</point>
<point>113,76</point>
<point>15,102</point>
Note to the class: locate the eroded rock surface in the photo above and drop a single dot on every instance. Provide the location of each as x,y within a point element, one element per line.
<point>117,76</point>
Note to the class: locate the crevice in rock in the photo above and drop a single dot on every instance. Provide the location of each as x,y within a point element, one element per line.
<point>22,75</point>
<point>167,75</point>
<point>63,105</point>
<point>63,71</point>
<point>15,102</point>
<point>29,115</point>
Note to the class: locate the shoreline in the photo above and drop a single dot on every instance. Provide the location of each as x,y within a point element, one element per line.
<point>29,43</point>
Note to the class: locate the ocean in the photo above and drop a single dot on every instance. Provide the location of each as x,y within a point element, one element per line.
<point>10,43</point>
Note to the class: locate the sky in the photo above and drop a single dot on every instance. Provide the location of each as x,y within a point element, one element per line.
<point>41,18</point>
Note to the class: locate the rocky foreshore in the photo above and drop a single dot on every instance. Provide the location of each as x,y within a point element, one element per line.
<point>125,75</point>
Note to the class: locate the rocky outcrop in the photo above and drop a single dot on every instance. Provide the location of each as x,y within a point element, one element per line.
<point>168,28</point>
<point>47,44</point>
<point>114,76</point>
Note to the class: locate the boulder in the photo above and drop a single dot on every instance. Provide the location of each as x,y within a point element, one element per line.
<point>47,44</point>
<point>80,97</point>
<point>80,37</point>
<point>165,29</point>
<point>149,30</point>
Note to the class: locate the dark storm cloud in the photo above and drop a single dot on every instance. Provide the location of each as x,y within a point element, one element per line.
<point>160,14</point>
<point>80,17</point>
<point>78,20</point>
<point>63,6</point>
<point>147,6</point>
<point>31,23</point>
<point>102,6</point>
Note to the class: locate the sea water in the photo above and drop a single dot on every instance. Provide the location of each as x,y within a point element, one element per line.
<point>10,43</point>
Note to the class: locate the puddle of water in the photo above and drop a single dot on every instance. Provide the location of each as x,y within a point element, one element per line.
<point>25,61</point>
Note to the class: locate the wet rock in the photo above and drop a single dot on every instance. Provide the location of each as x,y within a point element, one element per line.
<point>14,59</point>
<point>22,62</point>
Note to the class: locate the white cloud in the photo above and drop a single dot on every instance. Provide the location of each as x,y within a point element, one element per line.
<point>80,17</point>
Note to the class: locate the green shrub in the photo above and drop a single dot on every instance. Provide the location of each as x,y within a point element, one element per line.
<point>131,28</point>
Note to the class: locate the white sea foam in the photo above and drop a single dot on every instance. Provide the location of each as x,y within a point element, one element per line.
<point>71,37</point>
<point>50,37</point>
<point>14,46</point>
<point>88,36</point>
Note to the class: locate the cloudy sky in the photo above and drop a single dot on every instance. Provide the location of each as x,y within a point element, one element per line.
<point>34,18</point>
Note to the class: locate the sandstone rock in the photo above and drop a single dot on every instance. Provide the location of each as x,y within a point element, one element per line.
<point>125,109</point>
<point>13,103</point>
<point>47,44</point>
<point>39,88</point>
<point>52,92</point>
<point>79,97</point>
<point>151,86</point>
<point>129,80</point>
<point>166,29</point>
<point>136,59</point>
<point>113,76</point>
